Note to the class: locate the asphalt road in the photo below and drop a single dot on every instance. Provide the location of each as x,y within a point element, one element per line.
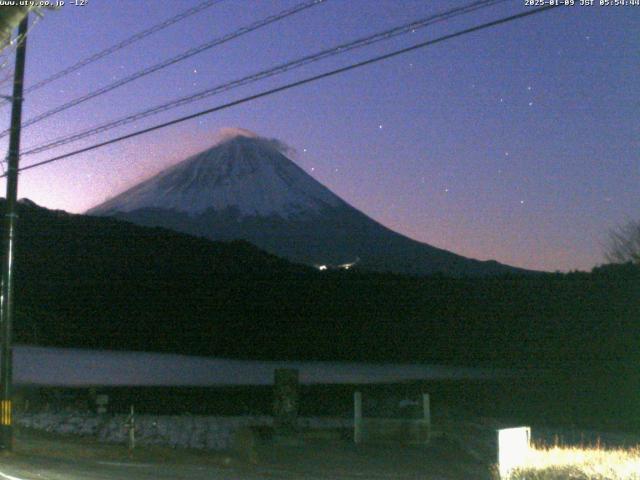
<point>47,469</point>
<point>313,462</point>
<point>44,456</point>
<point>21,468</point>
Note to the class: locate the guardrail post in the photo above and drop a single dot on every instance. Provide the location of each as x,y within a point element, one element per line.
<point>357,417</point>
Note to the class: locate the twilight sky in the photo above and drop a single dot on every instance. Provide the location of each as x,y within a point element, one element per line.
<point>520,143</point>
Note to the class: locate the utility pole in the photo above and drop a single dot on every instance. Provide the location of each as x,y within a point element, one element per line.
<point>6,300</point>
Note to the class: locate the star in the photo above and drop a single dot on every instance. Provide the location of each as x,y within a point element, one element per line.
<point>380,126</point>
<point>530,104</point>
<point>304,150</point>
<point>521,202</point>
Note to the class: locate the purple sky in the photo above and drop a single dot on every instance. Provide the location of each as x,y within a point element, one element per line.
<point>519,143</point>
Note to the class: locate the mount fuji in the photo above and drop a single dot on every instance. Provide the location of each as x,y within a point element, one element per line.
<point>245,187</point>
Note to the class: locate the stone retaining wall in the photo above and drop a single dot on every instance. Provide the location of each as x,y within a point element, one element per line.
<point>186,431</point>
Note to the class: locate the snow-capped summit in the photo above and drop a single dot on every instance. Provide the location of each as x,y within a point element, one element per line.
<point>241,171</point>
<point>245,187</point>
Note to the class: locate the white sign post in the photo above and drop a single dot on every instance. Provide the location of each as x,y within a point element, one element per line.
<point>513,448</point>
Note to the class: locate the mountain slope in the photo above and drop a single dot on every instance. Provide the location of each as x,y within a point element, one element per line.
<point>96,282</point>
<point>246,188</point>
<point>99,283</point>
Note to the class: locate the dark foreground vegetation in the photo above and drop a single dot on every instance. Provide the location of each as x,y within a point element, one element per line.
<point>101,283</point>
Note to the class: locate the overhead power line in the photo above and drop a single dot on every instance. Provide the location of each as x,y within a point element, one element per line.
<point>178,58</point>
<point>337,50</point>
<point>124,43</point>
<point>288,86</point>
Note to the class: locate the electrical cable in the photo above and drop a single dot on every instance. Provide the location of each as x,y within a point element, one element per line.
<point>293,85</point>
<point>340,49</point>
<point>124,43</point>
<point>178,58</point>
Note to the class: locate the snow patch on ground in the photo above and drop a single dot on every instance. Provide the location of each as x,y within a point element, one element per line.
<point>48,366</point>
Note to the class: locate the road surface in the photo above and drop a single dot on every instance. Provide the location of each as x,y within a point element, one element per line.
<point>49,457</point>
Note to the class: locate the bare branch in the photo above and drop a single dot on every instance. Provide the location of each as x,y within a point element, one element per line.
<point>624,244</point>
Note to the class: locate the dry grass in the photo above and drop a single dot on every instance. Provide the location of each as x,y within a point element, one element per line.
<point>578,463</point>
